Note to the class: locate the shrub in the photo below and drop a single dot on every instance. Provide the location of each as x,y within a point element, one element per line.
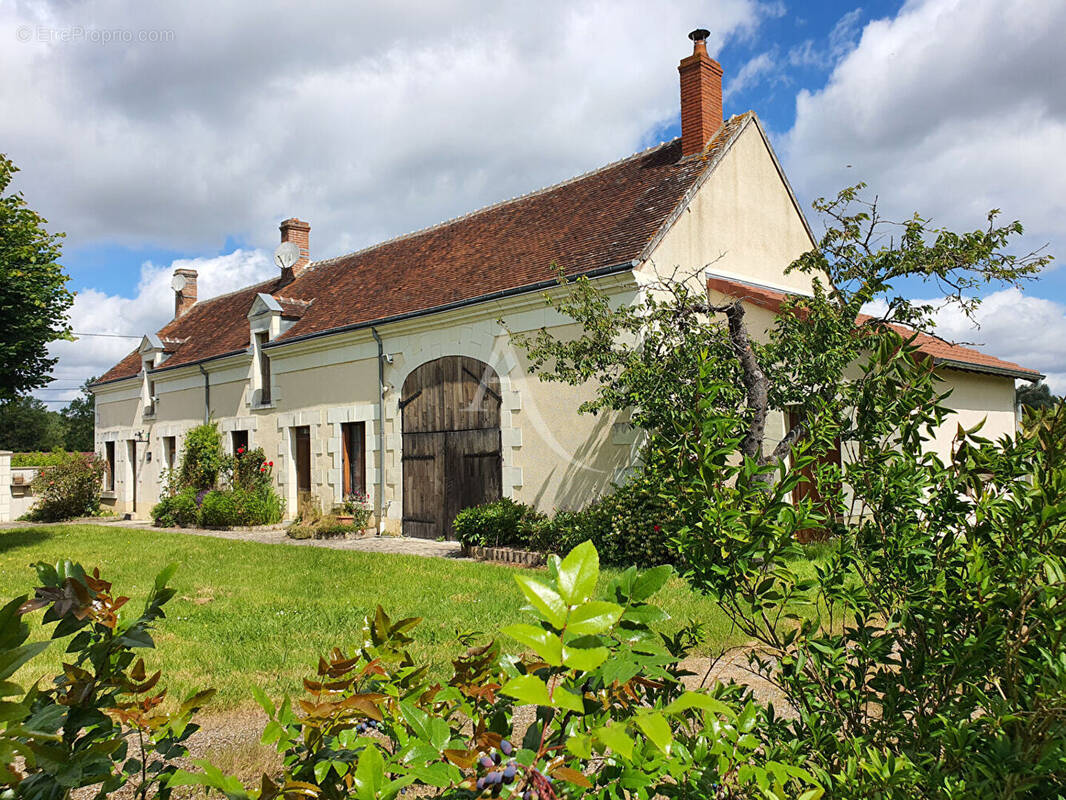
<point>203,459</point>
<point>40,459</point>
<point>100,720</point>
<point>503,523</point>
<point>251,470</point>
<point>68,490</point>
<point>631,525</point>
<point>177,509</point>
<point>220,510</point>
<point>261,506</point>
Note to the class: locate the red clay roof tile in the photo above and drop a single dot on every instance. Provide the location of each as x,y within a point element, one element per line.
<point>605,218</point>
<point>939,350</point>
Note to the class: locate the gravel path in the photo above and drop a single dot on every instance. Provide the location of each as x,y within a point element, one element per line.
<point>400,545</point>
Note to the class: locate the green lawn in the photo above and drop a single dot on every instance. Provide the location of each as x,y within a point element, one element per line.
<point>255,614</point>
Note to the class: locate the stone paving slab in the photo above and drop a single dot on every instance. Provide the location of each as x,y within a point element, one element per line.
<point>399,545</point>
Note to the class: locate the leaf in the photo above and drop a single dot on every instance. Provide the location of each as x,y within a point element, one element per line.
<point>584,658</point>
<point>593,617</point>
<point>702,701</point>
<point>564,698</point>
<point>528,690</point>
<point>571,776</point>
<point>461,758</point>
<point>543,598</point>
<point>11,660</point>
<point>650,581</point>
<point>369,774</point>
<point>657,729</point>
<point>616,738</point>
<point>578,573</point>
<point>544,643</point>
<point>264,702</point>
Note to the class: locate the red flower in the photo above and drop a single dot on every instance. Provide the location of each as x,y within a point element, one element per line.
<point>657,528</point>
<point>240,450</point>
<point>270,463</point>
<point>262,469</point>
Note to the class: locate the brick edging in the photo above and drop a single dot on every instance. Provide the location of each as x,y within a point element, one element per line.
<point>505,555</point>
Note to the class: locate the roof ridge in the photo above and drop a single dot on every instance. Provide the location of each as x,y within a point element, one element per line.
<point>492,206</point>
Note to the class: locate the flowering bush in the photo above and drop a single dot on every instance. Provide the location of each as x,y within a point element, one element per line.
<point>68,490</point>
<point>241,492</point>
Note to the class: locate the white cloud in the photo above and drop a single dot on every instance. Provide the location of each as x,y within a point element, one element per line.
<point>147,311</point>
<point>842,39</point>
<point>750,74</point>
<point>368,119</point>
<point>951,108</point>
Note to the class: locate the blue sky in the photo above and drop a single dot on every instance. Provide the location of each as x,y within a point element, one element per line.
<point>185,144</point>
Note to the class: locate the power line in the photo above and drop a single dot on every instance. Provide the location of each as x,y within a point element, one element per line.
<point>109,335</point>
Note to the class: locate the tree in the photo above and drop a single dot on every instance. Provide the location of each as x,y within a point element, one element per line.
<point>80,416</point>
<point>26,425</point>
<point>1034,395</point>
<point>34,299</point>
<point>654,358</point>
<point>923,653</point>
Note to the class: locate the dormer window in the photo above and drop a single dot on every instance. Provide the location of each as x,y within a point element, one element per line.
<point>263,365</point>
<point>152,351</point>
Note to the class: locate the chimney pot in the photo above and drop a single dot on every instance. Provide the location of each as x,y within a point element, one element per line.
<point>299,232</point>
<point>701,95</point>
<point>185,297</point>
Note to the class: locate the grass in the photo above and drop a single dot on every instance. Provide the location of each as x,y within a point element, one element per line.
<point>257,614</point>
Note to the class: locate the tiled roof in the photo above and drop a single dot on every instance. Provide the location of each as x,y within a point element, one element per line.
<point>946,353</point>
<point>606,218</point>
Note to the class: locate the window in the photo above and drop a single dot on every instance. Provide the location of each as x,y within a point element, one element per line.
<point>149,409</point>
<point>239,441</point>
<point>109,454</point>
<point>353,440</point>
<point>170,447</point>
<point>264,368</point>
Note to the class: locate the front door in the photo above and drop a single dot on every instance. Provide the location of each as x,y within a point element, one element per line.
<point>452,456</point>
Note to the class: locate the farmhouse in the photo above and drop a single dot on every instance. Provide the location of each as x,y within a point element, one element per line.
<point>386,371</point>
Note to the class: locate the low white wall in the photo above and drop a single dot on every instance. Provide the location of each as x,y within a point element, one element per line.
<point>15,496</point>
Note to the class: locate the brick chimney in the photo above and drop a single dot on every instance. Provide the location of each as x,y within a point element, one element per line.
<point>184,297</point>
<point>701,95</point>
<point>299,232</point>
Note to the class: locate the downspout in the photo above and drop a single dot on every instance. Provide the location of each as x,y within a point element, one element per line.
<point>207,395</point>
<point>380,505</point>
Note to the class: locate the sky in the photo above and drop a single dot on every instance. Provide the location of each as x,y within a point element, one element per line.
<point>159,136</point>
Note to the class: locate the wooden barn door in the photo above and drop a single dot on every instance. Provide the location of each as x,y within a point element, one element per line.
<point>452,457</point>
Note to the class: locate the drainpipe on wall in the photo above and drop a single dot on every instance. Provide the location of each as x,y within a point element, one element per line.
<point>207,395</point>
<point>381,432</point>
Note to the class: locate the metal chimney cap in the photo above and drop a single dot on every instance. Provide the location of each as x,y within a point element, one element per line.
<point>699,35</point>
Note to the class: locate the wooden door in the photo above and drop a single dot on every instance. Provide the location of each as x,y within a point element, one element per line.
<point>809,490</point>
<point>452,455</point>
<point>302,436</point>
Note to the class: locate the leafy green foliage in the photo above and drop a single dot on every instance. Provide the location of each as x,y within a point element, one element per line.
<point>80,418</point>
<point>503,523</point>
<point>99,722</point>
<point>34,299</point>
<point>26,424</point>
<point>203,460</point>
<point>216,490</point>
<point>40,459</point>
<point>612,718</point>
<point>1034,395</point>
<point>68,489</point>
<point>632,525</point>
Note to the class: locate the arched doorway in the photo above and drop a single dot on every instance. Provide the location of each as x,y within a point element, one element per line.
<point>451,443</point>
